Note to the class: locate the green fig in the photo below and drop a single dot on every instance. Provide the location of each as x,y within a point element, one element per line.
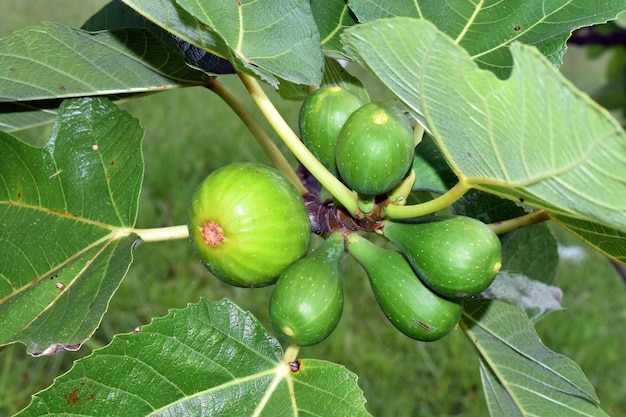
<point>456,256</point>
<point>375,148</point>
<point>248,223</point>
<point>411,307</point>
<point>322,115</point>
<point>307,301</point>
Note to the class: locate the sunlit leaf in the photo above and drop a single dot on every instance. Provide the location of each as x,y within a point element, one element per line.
<point>521,376</point>
<point>65,214</point>
<point>52,61</point>
<point>487,28</point>
<point>209,359</point>
<point>532,138</point>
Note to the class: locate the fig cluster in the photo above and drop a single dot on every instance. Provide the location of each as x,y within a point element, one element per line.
<point>250,227</point>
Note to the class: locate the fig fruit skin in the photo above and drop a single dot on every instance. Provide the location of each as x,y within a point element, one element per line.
<point>247,223</point>
<point>409,305</point>
<point>375,148</point>
<point>322,115</point>
<point>456,256</point>
<point>307,302</point>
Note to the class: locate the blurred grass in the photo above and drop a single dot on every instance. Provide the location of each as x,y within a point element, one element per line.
<point>191,132</point>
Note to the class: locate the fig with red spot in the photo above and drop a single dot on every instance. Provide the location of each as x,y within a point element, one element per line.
<point>247,223</point>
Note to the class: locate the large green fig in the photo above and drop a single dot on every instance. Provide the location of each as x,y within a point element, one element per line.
<point>411,306</point>
<point>375,148</point>
<point>307,301</point>
<point>248,223</point>
<point>322,115</point>
<point>456,256</point>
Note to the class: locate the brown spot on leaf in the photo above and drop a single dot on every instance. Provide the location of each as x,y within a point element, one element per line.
<point>12,69</point>
<point>62,87</point>
<point>72,397</point>
<point>112,163</point>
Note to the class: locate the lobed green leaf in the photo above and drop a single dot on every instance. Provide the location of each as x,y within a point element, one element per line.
<point>520,375</point>
<point>487,28</point>
<point>209,359</point>
<point>533,137</point>
<point>66,213</point>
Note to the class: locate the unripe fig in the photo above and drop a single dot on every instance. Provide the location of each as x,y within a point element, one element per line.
<point>456,256</point>
<point>375,148</point>
<point>322,115</point>
<point>307,301</point>
<point>411,307</point>
<point>248,223</point>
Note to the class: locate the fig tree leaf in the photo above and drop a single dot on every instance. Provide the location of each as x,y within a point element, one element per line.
<point>332,17</point>
<point>52,61</point>
<point>486,29</point>
<point>531,251</point>
<point>533,137</point>
<point>487,208</point>
<point>270,40</point>
<point>432,172</point>
<point>521,376</point>
<point>66,217</point>
<point>531,295</point>
<point>208,359</point>
<point>279,37</point>
<point>605,239</point>
<point>336,74</point>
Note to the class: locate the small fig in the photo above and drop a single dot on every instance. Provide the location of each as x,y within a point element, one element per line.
<point>307,301</point>
<point>375,148</point>
<point>411,307</point>
<point>322,116</point>
<point>456,256</point>
<point>247,224</point>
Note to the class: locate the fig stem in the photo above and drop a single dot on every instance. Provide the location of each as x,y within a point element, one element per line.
<point>162,233</point>
<point>270,148</point>
<point>291,353</point>
<point>515,223</point>
<point>429,207</point>
<point>345,196</point>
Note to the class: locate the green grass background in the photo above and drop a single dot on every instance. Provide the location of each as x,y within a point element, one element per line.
<point>191,132</point>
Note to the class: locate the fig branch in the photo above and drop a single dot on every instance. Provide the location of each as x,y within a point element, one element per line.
<point>344,195</point>
<point>270,148</point>
<point>515,223</point>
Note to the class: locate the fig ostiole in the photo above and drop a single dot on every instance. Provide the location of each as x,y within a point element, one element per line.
<point>307,301</point>
<point>409,305</point>
<point>456,256</point>
<point>375,148</point>
<point>247,224</point>
<point>322,115</point>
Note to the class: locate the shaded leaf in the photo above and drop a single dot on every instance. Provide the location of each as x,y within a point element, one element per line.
<point>336,74</point>
<point>209,359</point>
<point>605,239</point>
<point>332,17</point>
<point>531,251</point>
<point>432,172</point>
<point>486,207</point>
<point>486,29</point>
<point>521,376</point>
<point>66,213</point>
<point>531,138</point>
